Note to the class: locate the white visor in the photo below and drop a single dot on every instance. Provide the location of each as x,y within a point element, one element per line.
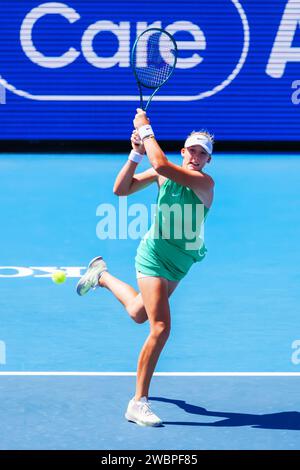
<point>200,139</point>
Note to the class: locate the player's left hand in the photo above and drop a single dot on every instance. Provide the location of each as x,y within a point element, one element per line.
<point>140,119</point>
<point>136,143</point>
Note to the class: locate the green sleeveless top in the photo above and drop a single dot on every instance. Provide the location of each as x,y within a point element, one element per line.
<point>175,240</point>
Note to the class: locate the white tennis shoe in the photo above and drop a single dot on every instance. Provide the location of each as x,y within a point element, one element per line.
<point>90,280</point>
<point>139,412</point>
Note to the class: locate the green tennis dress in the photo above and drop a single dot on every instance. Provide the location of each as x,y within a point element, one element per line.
<point>175,240</point>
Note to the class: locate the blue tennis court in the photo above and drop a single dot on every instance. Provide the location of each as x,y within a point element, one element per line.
<point>199,413</point>
<point>235,312</point>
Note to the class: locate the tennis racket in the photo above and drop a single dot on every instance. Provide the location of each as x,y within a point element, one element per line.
<point>153,60</point>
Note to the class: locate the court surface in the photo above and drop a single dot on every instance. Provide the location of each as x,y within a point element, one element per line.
<point>236,311</point>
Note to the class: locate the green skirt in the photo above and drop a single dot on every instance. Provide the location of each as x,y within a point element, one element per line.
<point>159,257</point>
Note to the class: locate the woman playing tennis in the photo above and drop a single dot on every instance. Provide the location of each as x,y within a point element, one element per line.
<point>168,250</point>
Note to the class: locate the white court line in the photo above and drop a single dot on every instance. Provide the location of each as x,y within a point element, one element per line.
<point>157,374</point>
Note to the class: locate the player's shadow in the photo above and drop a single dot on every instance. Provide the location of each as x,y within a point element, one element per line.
<point>282,420</point>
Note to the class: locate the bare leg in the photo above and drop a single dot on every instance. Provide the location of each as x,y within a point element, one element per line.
<point>154,291</point>
<point>128,296</point>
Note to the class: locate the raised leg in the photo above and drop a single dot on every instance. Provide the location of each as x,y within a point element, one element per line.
<point>128,296</point>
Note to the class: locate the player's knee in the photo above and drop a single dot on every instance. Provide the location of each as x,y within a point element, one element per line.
<point>161,330</point>
<point>137,314</point>
<point>140,318</point>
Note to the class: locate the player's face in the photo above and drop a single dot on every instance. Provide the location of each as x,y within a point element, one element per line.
<point>195,157</point>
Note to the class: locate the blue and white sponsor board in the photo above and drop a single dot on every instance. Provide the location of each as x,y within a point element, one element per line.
<point>65,69</point>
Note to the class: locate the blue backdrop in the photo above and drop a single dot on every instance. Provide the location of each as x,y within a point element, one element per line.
<point>65,67</point>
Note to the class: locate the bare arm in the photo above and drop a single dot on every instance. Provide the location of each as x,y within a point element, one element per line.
<point>127,182</point>
<point>182,176</point>
<point>142,180</point>
<point>195,180</point>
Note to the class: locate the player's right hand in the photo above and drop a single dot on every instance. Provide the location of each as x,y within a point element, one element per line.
<point>137,143</point>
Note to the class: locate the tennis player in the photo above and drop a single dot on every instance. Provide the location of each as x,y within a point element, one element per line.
<point>163,258</point>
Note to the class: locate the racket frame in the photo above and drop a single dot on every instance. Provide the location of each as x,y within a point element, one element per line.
<point>140,85</point>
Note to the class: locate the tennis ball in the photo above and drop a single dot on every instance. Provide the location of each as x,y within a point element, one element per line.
<point>59,277</point>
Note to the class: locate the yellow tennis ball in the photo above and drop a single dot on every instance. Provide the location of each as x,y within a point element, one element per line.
<point>59,277</point>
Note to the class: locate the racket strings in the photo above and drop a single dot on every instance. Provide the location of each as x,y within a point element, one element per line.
<point>157,55</point>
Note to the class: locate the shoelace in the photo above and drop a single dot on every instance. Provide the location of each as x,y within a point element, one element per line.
<point>147,408</point>
<point>95,277</point>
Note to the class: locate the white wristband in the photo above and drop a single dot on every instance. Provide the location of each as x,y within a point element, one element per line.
<point>135,156</point>
<point>145,131</point>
